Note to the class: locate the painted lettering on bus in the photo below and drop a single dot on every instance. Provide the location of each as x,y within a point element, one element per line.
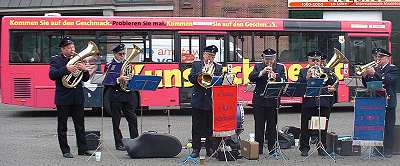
<point>177,78</point>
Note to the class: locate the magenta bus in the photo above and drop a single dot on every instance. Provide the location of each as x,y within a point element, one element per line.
<point>170,44</point>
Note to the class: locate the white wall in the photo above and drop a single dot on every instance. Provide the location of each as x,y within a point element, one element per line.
<point>353,15</point>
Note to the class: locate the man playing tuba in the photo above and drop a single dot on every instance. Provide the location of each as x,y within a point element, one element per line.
<point>202,100</point>
<point>120,101</point>
<point>69,100</point>
<point>264,108</point>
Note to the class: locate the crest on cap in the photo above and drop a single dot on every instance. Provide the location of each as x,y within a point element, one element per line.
<point>211,49</point>
<point>268,52</point>
<point>315,54</point>
<point>66,41</point>
<point>118,48</point>
<point>381,52</point>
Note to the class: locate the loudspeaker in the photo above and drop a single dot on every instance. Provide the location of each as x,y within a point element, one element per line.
<point>92,139</point>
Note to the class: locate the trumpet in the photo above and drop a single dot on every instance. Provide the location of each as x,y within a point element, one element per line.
<point>361,69</point>
<point>317,72</point>
<point>270,73</point>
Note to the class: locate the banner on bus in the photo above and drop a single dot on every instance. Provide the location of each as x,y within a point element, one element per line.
<point>224,110</point>
<point>342,3</point>
<point>369,121</point>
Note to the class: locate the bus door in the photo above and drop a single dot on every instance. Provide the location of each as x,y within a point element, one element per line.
<point>359,48</point>
<point>191,48</point>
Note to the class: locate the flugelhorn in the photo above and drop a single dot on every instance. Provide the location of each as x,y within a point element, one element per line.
<point>72,80</point>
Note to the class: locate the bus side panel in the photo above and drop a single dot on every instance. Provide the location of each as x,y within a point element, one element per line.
<point>167,93</point>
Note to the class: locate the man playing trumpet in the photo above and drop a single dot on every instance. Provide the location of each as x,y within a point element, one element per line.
<point>264,108</point>
<point>312,104</point>
<point>385,72</point>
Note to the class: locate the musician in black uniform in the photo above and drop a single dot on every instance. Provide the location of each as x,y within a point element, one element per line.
<point>386,73</point>
<point>265,108</point>
<point>202,101</point>
<point>120,100</point>
<point>69,100</point>
<point>311,104</point>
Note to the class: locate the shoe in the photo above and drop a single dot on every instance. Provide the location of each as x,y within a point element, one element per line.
<point>272,153</point>
<point>120,148</point>
<point>304,153</point>
<point>322,153</point>
<point>387,155</point>
<point>195,154</point>
<point>209,152</point>
<point>85,153</point>
<point>68,155</point>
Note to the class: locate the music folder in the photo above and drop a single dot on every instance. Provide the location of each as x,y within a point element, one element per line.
<point>139,82</point>
<point>274,89</point>
<point>314,86</point>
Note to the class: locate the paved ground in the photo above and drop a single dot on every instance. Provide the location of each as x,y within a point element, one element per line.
<point>29,138</point>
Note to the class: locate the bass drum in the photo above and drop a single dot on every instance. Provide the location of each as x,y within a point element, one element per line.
<point>240,118</point>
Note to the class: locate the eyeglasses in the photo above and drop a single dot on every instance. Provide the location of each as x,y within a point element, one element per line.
<point>121,53</point>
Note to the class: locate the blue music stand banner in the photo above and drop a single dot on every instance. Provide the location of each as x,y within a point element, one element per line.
<point>369,121</point>
<point>139,82</point>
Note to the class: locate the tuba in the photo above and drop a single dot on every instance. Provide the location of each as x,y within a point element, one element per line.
<point>338,57</point>
<point>126,69</point>
<point>72,80</point>
<point>204,79</point>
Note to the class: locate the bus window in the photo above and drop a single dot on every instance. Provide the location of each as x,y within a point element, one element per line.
<point>30,47</point>
<point>190,48</point>
<point>162,48</point>
<point>219,42</point>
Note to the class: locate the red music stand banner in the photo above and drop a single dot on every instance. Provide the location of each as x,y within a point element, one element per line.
<point>224,110</point>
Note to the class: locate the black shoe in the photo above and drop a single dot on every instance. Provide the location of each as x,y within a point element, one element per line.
<point>322,153</point>
<point>85,153</point>
<point>121,148</point>
<point>68,155</point>
<point>195,154</point>
<point>209,152</point>
<point>272,153</point>
<point>304,153</point>
<point>387,155</point>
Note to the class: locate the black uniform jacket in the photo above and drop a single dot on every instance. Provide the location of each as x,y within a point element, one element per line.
<point>387,75</point>
<point>201,97</point>
<point>261,83</point>
<point>113,70</point>
<point>325,101</point>
<point>65,96</point>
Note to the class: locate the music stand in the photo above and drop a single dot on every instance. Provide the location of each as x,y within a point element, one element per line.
<point>275,90</point>
<point>141,83</point>
<point>314,89</point>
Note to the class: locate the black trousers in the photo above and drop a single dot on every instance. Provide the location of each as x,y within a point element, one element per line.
<point>76,111</point>
<point>129,111</point>
<point>305,133</point>
<point>388,139</point>
<point>261,115</point>
<point>201,128</point>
